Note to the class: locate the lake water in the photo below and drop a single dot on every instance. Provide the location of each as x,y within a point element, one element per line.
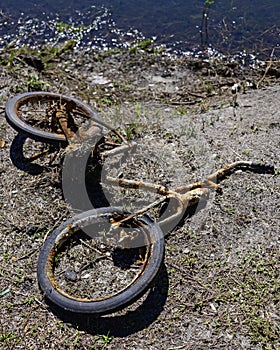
<point>183,26</point>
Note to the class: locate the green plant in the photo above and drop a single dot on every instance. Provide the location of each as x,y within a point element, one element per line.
<point>131,130</point>
<point>6,256</point>
<point>10,305</point>
<point>208,87</point>
<point>57,258</point>
<point>34,83</point>
<point>204,24</point>
<point>143,45</point>
<point>6,337</point>
<point>182,111</point>
<point>107,101</point>
<point>254,128</point>
<point>66,27</point>
<point>138,110</point>
<point>106,340</point>
<point>233,130</point>
<point>28,300</point>
<point>11,58</point>
<point>246,152</point>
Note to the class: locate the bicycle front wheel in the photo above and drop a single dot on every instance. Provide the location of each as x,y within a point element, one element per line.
<point>91,265</point>
<point>31,113</point>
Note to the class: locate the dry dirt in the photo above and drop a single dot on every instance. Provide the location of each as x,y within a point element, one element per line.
<point>219,287</point>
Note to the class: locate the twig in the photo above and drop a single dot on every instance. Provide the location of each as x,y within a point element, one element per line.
<point>143,210</point>
<point>38,155</point>
<point>27,255</point>
<point>267,68</point>
<point>118,149</point>
<point>237,154</point>
<point>89,246</point>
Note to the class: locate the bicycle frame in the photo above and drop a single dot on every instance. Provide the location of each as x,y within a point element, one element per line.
<point>186,196</point>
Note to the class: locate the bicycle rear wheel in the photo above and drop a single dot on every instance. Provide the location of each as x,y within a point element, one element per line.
<point>31,114</point>
<point>85,266</point>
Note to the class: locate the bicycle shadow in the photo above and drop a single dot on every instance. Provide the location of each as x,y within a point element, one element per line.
<point>19,160</point>
<point>125,324</point>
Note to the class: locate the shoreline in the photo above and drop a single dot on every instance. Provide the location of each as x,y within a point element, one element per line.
<point>143,72</point>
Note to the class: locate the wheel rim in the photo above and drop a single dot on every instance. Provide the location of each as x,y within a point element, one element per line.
<point>104,276</point>
<point>31,112</point>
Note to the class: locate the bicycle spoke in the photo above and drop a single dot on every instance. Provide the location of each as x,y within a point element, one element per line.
<point>98,266</point>
<point>35,114</point>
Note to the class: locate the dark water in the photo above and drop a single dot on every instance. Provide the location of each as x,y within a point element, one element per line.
<point>226,26</point>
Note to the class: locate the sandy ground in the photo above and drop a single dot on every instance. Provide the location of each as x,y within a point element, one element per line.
<point>219,285</point>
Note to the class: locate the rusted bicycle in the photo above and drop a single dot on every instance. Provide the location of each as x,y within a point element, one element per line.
<point>103,259</point>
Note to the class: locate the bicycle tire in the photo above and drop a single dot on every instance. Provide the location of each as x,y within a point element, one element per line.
<point>13,116</point>
<point>106,305</point>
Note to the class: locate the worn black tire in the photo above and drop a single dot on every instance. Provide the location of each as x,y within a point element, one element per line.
<point>117,301</point>
<point>14,119</point>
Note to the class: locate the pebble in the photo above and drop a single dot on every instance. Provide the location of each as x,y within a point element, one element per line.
<point>71,275</point>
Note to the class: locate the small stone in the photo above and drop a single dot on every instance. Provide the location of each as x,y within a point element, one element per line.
<point>71,275</point>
